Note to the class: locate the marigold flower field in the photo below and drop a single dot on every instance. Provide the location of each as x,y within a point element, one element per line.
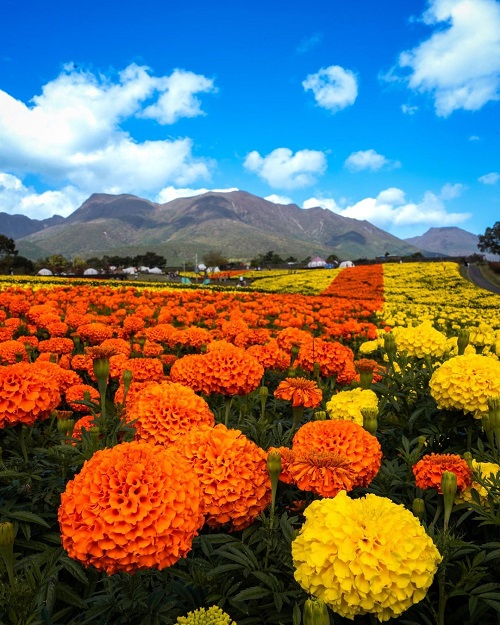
<point>322,446</point>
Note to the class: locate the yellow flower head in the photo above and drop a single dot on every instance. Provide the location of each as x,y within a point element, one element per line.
<point>348,404</point>
<point>364,556</point>
<point>485,469</point>
<point>206,616</point>
<point>420,341</point>
<point>466,383</point>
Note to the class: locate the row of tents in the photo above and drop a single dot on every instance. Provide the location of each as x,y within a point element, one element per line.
<point>319,262</point>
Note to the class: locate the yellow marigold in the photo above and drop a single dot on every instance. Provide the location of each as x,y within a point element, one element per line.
<point>485,470</point>
<point>134,506</point>
<point>420,341</point>
<point>206,616</point>
<point>26,394</point>
<point>348,404</point>
<point>300,391</point>
<point>429,470</point>
<point>164,412</point>
<point>466,383</point>
<point>346,439</point>
<point>369,347</point>
<point>233,474</point>
<point>364,556</point>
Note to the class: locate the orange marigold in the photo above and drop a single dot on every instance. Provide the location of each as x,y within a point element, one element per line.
<point>429,470</point>
<point>83,423</point>
<point>334,359</point>
<point>300,391</point>
<point>94,333</point>
<point>232,470</point>
<point>133,506</point>
<point>56,345</point>
<point>346,439</point>
<point>26,394</point>
<point>164,412</point>
<point>144,369</point>
<point>322,472</point>
<point>270,355</point>
<point>76,393</point>
<point>11,352</point>
<point>64,377</point>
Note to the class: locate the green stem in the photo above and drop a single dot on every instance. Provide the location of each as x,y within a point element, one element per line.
<point>438,512</point>
<point>442,597</point>
<point>298,411</point>
<point>22,443</point>
<point>229,401</point>
<point>102,385</point>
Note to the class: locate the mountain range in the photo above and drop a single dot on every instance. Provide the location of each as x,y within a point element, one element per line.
<point>236,223</point>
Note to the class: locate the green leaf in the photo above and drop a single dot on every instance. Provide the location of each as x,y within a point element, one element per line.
<point>68,595</point>
<point>27,517</point>
<point>74,569</point>
<point>223,568</point>
<point>254,592</point>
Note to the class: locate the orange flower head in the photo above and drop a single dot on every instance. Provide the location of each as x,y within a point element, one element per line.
<point>346,439</point>
<point>322,472</point>
<point>12,351</point>
<point>133,506</point>
<point>83,423</point>
<point>232,469</point>
<point>77,393</point>
<point>164,412</point>
<point>300,391</point>
<point>26,394</point>
<point>429,470</point>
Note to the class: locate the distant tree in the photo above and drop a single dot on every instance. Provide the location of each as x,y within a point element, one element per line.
<point>291,259</point>
<point>21,265</point>
<point>417,255</point>
<point>215,258</point>
<point>7,246</point>
<point>57,263</point>
<point>149,259</point>
<point>333,258</point>
<point>490,240</point>
<point>7,253</point>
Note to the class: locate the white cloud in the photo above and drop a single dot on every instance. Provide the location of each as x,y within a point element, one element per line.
<point>328,203</point>
<point>451,191</point>
<point>171,193</point>
<point>71,134</point>
<point>177,99</point>
<point>391,211</point>
<point>491,178</point>
<point>286,170</point>
<point>334,87</point>
<point>459,64</point>
<point>368,159</point>
<point>474,138</point>
<point>17,199</point>
<point>278,199</point>
<point>409,110</point>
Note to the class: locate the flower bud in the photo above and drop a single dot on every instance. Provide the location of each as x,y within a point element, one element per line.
<point>468,459</point>
<point>370,422</point>
<point>462,341</point>
<point>494,412</point>
<point>390,345</point>
<point>127,380</point>
<point>274,463</point>
<point>320,415</point>
<point>263,392</point>
<point>101,368</point>
<point>7,534</point>
<point>418,508</point>
<point>315,612</point>
<point>65,426</point>
<point>449,489</point>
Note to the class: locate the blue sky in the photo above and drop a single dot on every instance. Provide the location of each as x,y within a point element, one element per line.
<point>386,111</point>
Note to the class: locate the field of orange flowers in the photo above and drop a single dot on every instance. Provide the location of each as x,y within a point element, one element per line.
<point>235,456</point>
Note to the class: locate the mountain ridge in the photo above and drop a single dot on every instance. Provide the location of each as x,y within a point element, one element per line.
<point>237,223</point>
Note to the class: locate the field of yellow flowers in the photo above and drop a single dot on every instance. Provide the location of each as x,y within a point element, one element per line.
<point>322,447</point>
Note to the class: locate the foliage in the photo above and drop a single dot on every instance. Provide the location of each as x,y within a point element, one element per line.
<point>490,240</point>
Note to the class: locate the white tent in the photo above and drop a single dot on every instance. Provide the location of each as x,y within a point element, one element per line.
<point>129,270</point>
<point>346,263</point>
<point>45,272</point>
<point>316,262</point>
<point>144,269</point>
<point>90,272</point>
<point>155,270</point>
